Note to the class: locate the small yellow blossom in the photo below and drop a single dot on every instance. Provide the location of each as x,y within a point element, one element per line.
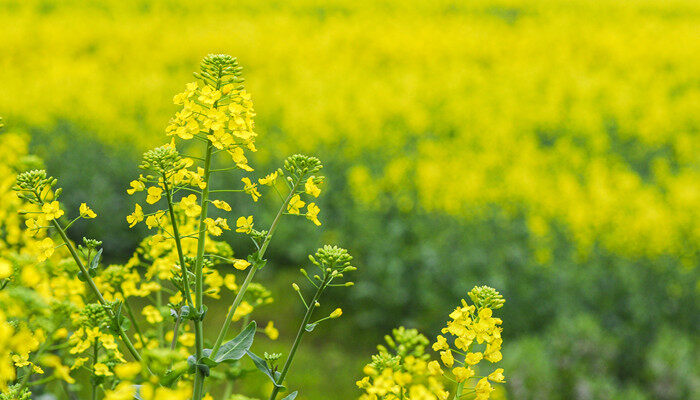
<point>46,249</point>
<point>244,224</point>
<point>154,194</point>
<point>208,95</point>
<point>441,344</point>
<point>189,204</point>
<point>483,389</point>
<point>434,368</point>
<point>312,213</point>
<point>251,188</point>
<point>6,269</point>
<point>101,369</point>
<point>497,376</point>
<point>271,331</point>
<point>230,282</point>
<point>32,225</point>
<point>135,217</point>
<point>473,358</point>
<point>222,205</point>
<point>152,314</point>
<point>269,179</point>
<point>311,188</point>
<point>135,186</point>
<point>447,358</point>
<point>336,313</point>
<point>462,374</point>
<point>295,203</point>
<point>127,371</point>
<point>52,210</point>
<point>243,309</point>
<point>86,212</point>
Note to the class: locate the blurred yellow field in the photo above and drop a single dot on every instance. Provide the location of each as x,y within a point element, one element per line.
<point>582,112</point>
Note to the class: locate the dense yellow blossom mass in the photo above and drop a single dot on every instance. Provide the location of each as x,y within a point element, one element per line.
<point>581,113</point>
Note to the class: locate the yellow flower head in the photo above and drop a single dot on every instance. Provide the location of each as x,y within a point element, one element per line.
<point>336,313</point>
<point>152,314</point>
<point>251,188</point>
<point>6,269</point>
<point>52,210</point>
<point>295,203</point>
<point>311,187</point>
<point>244,224</point>
<point>135,217</point>
<point>497,376</point>
<point>462,374</point>
<point>101,369</point>
<point>46,249</point>
<point>189,204</point>
<point>154,194</point>
<point>222,205</point>
<point>447,358</point>
<point>271,331</point>
<point>86,212</point>
<point>136,186</point>
<point>312,213</point>
<point>269,179</point>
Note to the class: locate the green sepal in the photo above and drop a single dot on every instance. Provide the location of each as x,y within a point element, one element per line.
<point>310,327</point>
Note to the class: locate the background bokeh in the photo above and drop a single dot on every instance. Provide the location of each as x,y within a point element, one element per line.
<point>547,148</point>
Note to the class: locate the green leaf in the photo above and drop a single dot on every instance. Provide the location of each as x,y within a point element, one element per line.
<point>95,260</point>
<point>310,327</point>
<point>262,366</point>
<point>235,348</point>
<point>291,396</point>
<point>208,361</point>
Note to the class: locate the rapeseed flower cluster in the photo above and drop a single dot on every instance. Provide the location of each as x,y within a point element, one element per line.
<point>408,372</point>
<point>80,314</point>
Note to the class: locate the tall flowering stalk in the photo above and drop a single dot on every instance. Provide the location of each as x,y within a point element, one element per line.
<point>178,265</point>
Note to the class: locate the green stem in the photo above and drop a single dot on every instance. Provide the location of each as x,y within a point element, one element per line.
<point>297,339</point>
<point>178,244</point>
<point>227,390</point>
<point>199,280</point>
<point>93,287</point>
<point>253,269</point>
<point>130,312</point>
<point>94,361</point>
<point>159,305</point>
<point>176,331</point>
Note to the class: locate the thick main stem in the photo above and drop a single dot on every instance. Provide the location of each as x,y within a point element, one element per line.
<point>253,269</point>
<point>199,280</point>
<point>94,288</point>
<point>297,340</point>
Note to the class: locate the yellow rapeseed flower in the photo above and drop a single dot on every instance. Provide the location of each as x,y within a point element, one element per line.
<point>86,212</point>
<point>189,204</point>
<point>135,217</point>
<point>311,188</point>
<point>52,210</point>
<point>312,213</point>
<point>154,194</point>
<point>295,203</point>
